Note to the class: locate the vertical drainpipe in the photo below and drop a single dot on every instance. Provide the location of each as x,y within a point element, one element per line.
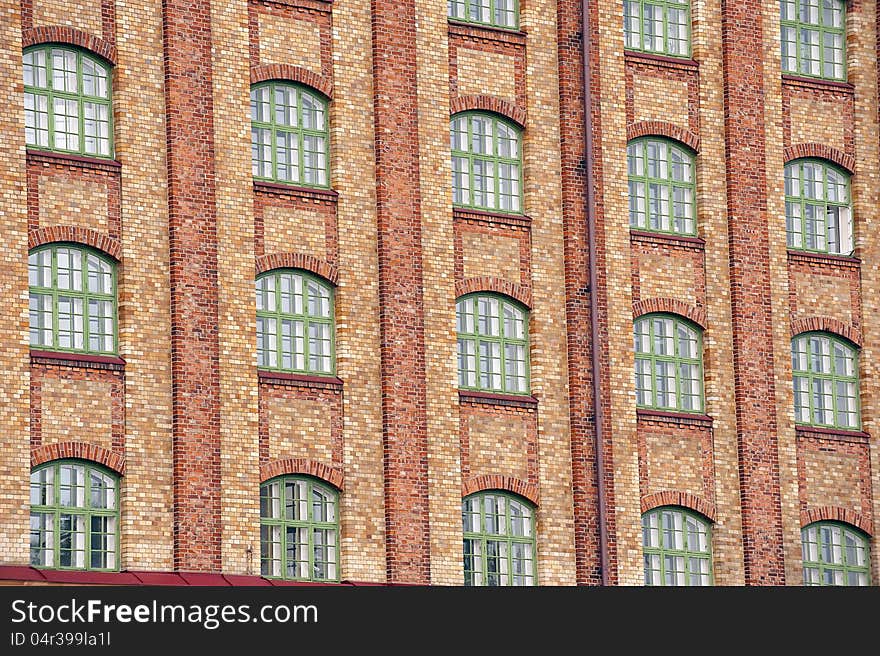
<point>589,190</point>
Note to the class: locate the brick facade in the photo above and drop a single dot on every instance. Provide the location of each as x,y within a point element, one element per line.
<point>192,426</point>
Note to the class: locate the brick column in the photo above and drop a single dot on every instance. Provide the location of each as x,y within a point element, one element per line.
<point>583,447</point>
<point>401,306</point>
<point>754,386</point>
<point>193,246</point>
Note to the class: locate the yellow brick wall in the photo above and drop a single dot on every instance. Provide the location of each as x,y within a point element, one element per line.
<point>298,428</point>
<point>82,14</point>
<point>66,200</point>
<point>862,70</point>
<point>618,267</point>
<point>814,120</point>
<point>549,371</point>
<point>144,298</point>
<point>77,410</point>
<point>498,444</point>
<point>362,505</point>
<point>490,255</point>
<point>822,296</point>
<point>444,468</point>
<point>285,41</point>
<point>832,479</point>
<point>718,340</point>
<point>674,463</point>
<point>286,229</point>
<point>239,416</point>
<point>667,276</point>
<point>671,94</point>
<point>14,364</point>
<point>779,298</point>
<point>486,73</point>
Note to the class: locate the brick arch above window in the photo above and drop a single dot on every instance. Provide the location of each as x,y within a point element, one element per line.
<point>78,450</point>
<point>663,129</point>
<point>827,325</point>
<point>496,285</point>
<point>289,73</point>
<point>66,35</point>
<point>820,151</point>
<point>303,261</point>
<point>305,466</point>
<point>670,306</point>
<point>482,102</point>
<point>836,514</point>
<point>678,498</point>
<point>498,482</point>
<point>78,235</point>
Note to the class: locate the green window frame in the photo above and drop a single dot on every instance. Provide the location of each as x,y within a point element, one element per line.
<point>818,208</point>
<point>295,323</point>
<point>299,529</point>
<point>290,138</point>
<point>677,546</point>
<point>658,26</point>
<point>74,516</point>
<point>486,163</point>
<point>73,303</point>
<point>825,370</point>
<point>493,344</point>
<point>495,13</point>
<point>662,194</point>
<point>669,363</point>
<point>835,554</point>
<point>499,540</point>
<point>67,101</point>
<point>813,38</point>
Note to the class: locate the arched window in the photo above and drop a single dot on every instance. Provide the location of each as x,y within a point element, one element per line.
<point>72,299</point>
<point>486,163</point>
<point>818,213</point>
<point>669,363</point>
<point>835,554</point>
<point>74,516</point>
<point>299,529</point>
<point>497,13</point>
<point>661,186</point>
<point>658,26</point>
<point>67,103</point>
<point>289,134</point>
<point>826,381</point>
<point>295,322</point>
<point>677,545</point>
<point>499,539</point>
<point>814,38</point>
<point>493,344</point>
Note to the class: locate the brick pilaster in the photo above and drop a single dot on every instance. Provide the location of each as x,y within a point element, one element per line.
<point>401,304</point>
<point>193,247</point>
<point>754,386</point>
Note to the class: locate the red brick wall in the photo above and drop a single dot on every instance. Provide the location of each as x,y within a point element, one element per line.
<point>401,305</point>
<point>750,292</point>
<point>194,303</point>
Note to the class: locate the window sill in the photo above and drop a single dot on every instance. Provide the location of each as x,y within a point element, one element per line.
<point>648,237</point>
<point>825,258</point>
<point>660,60</point>
<point>299,380</point>
<point>677,418</point>
<point>841,434</point>
<point>81,360</point>
<point>817,83</point>
<point>293,190</point>
<point>499,218</point>
<point>490,398</point>
<point>479,31</point>
<point>94,163</point>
